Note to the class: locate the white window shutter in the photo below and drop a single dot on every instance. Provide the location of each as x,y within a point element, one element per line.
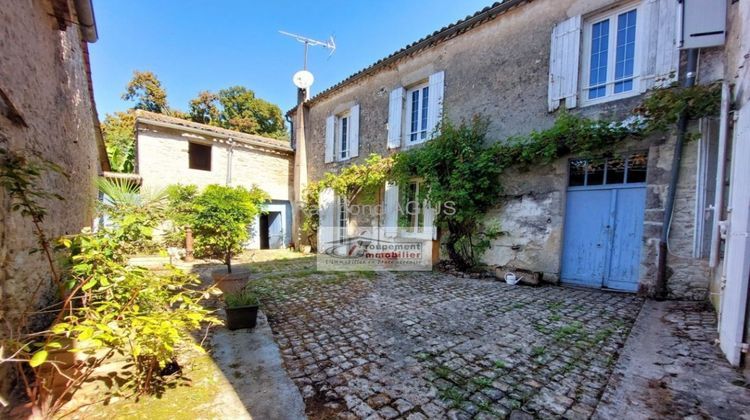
<point>354,131</point>
<point>429,220</point>
<point>565,51</point>
<point>660,55</point>
<point>395,110</point>
<point>326,209</point>
<point>390,210</point>
<point>330,136</point>
<point>435,101</point>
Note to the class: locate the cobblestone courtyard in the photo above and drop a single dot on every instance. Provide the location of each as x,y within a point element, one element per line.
<point>430,345</point>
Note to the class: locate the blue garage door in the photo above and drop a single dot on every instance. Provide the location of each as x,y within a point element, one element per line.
<point>604,222</point>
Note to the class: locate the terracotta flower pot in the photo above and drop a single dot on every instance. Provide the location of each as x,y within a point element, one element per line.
<point>230,282</point>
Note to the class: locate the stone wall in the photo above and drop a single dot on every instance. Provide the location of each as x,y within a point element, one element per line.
<point>500,70</point>
<point>163,160</point>
<point>43,74</point>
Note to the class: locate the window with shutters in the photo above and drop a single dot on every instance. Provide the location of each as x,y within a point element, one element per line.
<point>343,136</point>
<point>416,114</point>
<point>199,156</point>
<point>611,45</point>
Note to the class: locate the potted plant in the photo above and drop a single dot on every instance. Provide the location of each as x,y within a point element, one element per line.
<point>221,220</point>
<point>242,309</point>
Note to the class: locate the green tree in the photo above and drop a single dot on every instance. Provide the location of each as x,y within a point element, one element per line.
<point>118,130</point>
<point>237,108</point>
<point>146,90</point>
<point>204,108</point>
<point>222,216</point>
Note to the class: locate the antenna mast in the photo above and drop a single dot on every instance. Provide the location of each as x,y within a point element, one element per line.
<point>330,44</point>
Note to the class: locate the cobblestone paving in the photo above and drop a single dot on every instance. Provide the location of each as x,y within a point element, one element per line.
<point>430,345</point>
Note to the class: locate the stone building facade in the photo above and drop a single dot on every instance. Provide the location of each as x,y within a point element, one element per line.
<point>518,63</point>
<point>46,110</point>
<point>175,151</point>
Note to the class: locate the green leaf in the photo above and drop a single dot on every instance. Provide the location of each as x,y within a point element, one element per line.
<point>38,358</point>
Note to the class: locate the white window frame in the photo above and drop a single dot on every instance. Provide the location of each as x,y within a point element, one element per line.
<point>342,218</point>
<point>341,154</point>
<point>415,229</point>
<point>422,113</point>
<point>584,73</point>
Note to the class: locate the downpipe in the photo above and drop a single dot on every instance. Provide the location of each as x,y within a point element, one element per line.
<point>682,122</point>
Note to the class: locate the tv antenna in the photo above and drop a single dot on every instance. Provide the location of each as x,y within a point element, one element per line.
<point>330,44</point>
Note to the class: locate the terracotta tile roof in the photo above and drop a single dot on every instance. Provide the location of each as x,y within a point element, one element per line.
<point>447,32</point>
<point>146,117</point>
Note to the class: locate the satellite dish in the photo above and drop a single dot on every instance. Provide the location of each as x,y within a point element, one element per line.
<point>303,79</point>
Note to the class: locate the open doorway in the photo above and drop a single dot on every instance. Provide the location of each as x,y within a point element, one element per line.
<point>271,230</point>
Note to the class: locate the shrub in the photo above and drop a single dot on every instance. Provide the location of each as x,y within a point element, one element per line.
<point>222,217</point>
<point>180,212</point>
<point>133,213</point>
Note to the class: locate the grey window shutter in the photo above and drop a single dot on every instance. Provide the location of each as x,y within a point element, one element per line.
<point>354,131</point>
<point>565,52</point>
<point>435,101</point>
<point>659,55</point>
<point>390,222</point>
<point>326,208</point>
<point>330,136</point>
<point>395,110</point>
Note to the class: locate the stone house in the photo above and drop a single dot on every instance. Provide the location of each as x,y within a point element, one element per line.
<point>175,151</point>
<point>46,109</point>
<point>518,63</point>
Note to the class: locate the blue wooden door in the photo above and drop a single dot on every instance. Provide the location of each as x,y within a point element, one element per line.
<point>603,236</point>
<point>275,230</point>
<point>627,239</point>
<point>585,241</point>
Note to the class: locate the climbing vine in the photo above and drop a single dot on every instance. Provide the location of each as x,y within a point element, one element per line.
<point>460,165</point>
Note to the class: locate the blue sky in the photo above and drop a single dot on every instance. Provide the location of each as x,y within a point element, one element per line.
<point>196,45</point>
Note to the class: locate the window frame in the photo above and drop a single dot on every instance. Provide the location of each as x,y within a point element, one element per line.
<point>585,68</point>
<point>422,114</point>
<point>342,218</point>
<point>339,135</point>
<point>414,230</point>
<point>191,145</point>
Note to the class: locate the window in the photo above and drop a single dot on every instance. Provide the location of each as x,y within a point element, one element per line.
<point>411,214</point>
<point>603,172</point>
<point>343,137</point>
<point>343,219</point>
<point>199,156</point>
<point>417,100</point>
<point>610,46</point>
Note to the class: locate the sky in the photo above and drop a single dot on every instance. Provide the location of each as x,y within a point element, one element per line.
<point>196,45</point>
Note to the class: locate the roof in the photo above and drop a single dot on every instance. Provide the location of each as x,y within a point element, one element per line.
<point>447,32</point>
<point>146,117</point>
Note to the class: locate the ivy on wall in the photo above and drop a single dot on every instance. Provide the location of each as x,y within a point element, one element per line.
<point>460,165</point>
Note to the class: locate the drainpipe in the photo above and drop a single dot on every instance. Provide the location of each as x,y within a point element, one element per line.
<point>86,20</point>
<point>682,122</point>
<point>720,174</point>
<point>230,142</point>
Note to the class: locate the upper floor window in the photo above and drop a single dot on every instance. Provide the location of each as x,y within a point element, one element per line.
<point>343,136</point>
<point>417,106</point>
<point>199,156</point>
<point>610,47</point>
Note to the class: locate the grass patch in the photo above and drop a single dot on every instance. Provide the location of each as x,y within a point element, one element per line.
<point>482,382</point>
<point>537,351</point>
<point>500,364</point>
<point>568,330</point>
<point>453,395</point>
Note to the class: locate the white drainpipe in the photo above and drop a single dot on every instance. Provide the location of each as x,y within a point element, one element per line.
<point>720,174</point>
